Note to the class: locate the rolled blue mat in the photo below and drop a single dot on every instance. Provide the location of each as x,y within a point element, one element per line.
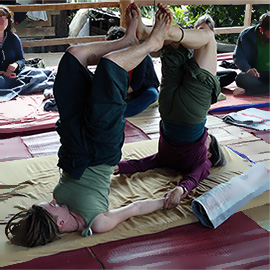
<point>217,205</point>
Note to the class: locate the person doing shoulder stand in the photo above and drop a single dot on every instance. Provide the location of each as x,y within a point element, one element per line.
<point>91,129</point>
<point>188,88</point>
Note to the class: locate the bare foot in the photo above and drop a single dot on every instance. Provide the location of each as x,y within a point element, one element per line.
<point>141,29</point>
<point>238,91</point>
<point>131,21</point>
<point>163,20</point>
<point>165,9</point>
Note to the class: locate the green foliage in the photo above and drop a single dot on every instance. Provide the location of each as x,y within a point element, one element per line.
<point>224,16</point>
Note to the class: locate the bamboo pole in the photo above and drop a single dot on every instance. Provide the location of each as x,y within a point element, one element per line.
<point>248,11</point>
<point>123,6</point>
<point>62,41</point>
<point>68,6</point>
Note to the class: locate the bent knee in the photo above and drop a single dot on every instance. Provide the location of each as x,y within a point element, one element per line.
<point>78,52</point>
<point>241,79</point>
<point>73,50</point>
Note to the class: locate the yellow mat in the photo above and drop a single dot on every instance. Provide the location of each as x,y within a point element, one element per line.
<point>25,182</point>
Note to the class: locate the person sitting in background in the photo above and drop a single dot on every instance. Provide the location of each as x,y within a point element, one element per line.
<point>18,16</point>
<point>15,76</point>
<point>251,56</point>
<point>11,53</point>
<point>144,83</point>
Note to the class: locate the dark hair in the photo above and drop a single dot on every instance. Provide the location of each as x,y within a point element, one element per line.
<point>207,19</point>
<point>9,14</point>
<point>217,158</point>
<point>115,32</point>
<point>36,227</point>
<point>264,21</point>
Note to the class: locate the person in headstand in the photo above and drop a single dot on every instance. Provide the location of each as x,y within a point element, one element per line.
<point>188,88</point>
<point>251,56</point>
<point>91,129</point>
<point>144,83</point>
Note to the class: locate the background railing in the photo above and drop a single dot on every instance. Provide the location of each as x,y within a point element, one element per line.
<point>122,4</point>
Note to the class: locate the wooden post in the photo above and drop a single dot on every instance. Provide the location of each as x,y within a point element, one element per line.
<point>248,11</point>
<point>123,6</point>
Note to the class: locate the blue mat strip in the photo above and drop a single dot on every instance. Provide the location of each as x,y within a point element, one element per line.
<point>240,107</point>
<point>241,155</point>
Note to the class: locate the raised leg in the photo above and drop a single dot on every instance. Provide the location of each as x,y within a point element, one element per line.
<point>89,54</point>
<point>130,57</point>
<point>201,40</point>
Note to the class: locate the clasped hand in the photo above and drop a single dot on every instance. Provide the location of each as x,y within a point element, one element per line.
<point>173,197</point>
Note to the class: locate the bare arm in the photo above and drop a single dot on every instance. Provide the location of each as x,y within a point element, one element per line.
<point>107,221</point>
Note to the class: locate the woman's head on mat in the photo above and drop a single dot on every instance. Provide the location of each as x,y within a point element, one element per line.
<point>205,22</point>
<point>42,224</point>
<point>35,227</point>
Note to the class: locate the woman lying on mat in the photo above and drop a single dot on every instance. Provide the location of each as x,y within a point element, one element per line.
<point>188,88</point>
<point>91,128</point>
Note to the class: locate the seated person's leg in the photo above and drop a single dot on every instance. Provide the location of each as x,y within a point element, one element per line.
<point>252,85</point>
<point>2,82</point>
<point>141,102</point>
<point>9,83</point>
<point>226,77</point>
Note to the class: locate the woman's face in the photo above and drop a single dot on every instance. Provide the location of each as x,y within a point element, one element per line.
<point>64,220</point>
<point>3,21</point>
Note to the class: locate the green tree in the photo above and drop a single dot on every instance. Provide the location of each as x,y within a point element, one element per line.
<point>224,16</point>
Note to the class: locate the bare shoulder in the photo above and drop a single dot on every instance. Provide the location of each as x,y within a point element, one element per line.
<point>98,223</point>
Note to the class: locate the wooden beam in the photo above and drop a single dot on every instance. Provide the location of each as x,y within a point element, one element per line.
<point>229,30</point>
<point>123,6</point>
<point>61,41</point>
<point>71,6</point>
<point>68,6</point>
<point>37,32</point>
<point>199,2</point>
<point>248,11</point>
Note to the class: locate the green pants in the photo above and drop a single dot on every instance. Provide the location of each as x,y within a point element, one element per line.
<point>187,91</point>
